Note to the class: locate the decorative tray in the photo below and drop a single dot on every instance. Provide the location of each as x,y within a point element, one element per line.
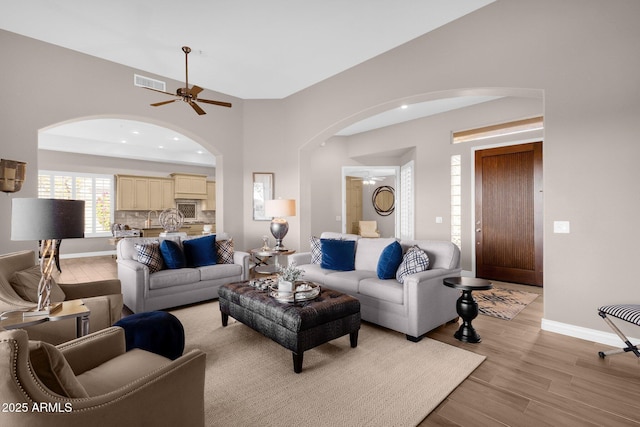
<point>304,291</point>
<point>263,284</point>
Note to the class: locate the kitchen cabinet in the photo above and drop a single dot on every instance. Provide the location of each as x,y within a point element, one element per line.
<point>132,193</point>
<point>190,186</point>
<point>161,194</point>
<point>190,229</point>
<point>209,204</point>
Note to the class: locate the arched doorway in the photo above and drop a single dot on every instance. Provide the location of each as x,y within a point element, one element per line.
<point>91,152</point>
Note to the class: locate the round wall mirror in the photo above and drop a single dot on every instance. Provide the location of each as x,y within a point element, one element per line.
<point>384,200</point>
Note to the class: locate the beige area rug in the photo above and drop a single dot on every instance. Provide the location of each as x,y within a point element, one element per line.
<point>503,303</point>
<point>384,381</point>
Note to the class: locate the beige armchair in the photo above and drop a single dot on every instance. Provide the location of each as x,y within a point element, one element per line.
<point>103,298</point>
<point>92,381</point>
<point>369,229</point>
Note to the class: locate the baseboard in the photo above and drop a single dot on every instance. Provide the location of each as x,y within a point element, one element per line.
<point>88,254</point>
<point>606,338</point>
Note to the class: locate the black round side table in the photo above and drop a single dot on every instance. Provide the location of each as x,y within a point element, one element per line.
<point>466,306</point>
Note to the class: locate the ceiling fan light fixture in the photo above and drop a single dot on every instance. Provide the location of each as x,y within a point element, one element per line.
<point>188,95</point>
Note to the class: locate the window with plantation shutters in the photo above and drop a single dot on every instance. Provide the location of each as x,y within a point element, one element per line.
<point>95,190</point>
<point>406,201</point>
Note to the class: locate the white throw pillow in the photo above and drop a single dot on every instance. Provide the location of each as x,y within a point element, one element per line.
<point>368,252</point>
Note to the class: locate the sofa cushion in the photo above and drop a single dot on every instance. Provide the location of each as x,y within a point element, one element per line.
<point>53,370</point>
<point>176,277</point>
<point>348,282</point>
<point>201,251</point>
<point>338,254</point>
<point>172,254</point>
<point>25,283</point>
<point>368,252</point>
<point>149,255</point>
<point>316,250</point>
<point>219,271</point>
<point>389,261</point>
<point>224,251</point>
<point>414,261</point>
<point>120,371</point>
<point>385,290</point>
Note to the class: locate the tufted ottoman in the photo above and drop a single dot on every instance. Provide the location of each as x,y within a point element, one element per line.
<point>155,331</point>
<point>297,327</point>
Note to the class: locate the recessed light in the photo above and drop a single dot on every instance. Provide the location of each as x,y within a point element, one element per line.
<point>200,152</point>
<point>135,132</point>
<point>175,138</point>
<point>404,106</point>
<point>124,141</point>
<point>160,146</point>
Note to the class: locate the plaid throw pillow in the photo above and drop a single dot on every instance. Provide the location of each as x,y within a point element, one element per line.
<point>414,261</point>
<point>224,251</point>
<point>316,250</point>
<point>149,254</point>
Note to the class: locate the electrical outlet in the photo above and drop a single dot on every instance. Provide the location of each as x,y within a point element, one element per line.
<point>438,220</point>
<point>561,227</point>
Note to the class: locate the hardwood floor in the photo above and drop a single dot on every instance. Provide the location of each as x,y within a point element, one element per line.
<point>530,377</point>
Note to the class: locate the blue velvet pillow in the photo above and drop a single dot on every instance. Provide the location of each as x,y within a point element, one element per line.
<point>389,261</point>
<point>201,251</point>
<point>338,254</point>
<point>172,254</point>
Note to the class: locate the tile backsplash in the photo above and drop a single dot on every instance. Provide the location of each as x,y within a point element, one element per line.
<point>137,219</point>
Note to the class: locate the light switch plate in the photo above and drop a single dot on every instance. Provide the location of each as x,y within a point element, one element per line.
<point>562,227</point>
<point>438,220</point>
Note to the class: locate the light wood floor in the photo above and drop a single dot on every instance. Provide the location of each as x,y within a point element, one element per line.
<point>530,377</point>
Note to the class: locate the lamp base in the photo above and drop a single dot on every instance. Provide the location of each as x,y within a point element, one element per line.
<point>44,312</point>
<point>279,246</point>
<point>279,228</point>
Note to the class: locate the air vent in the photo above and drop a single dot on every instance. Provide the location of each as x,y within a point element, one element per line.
<point>143,81</point>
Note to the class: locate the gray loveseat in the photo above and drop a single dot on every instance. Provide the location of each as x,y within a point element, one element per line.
<point>414,308</point>
<point>146,291</point>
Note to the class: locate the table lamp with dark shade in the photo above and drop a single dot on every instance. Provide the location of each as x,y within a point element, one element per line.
<point>279,208</point>
<point>46,220</point>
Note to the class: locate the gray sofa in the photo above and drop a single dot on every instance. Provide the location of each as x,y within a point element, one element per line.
<point>414,308</point>
<point>145,291</point>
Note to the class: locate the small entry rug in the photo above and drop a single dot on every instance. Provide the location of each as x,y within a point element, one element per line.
<point>384,381</point>
<point>503,303</point>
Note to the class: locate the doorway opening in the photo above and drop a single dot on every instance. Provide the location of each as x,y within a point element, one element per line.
<point>359,185</point>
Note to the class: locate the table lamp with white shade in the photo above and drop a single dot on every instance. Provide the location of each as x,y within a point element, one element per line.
<point>46,220</point>
<point>278,209</point>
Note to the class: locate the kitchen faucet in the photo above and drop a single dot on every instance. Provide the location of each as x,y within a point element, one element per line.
<point>147,224</point>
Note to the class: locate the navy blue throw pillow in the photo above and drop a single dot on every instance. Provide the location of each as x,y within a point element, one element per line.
<point>389,261</point>
<point>201,251</point>
<point>338,254</point>
<point>172,254</point>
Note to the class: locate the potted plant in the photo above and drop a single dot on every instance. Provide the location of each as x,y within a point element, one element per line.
<point>287,277</point>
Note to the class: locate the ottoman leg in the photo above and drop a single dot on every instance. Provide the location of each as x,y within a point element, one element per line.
<point>225,319</point>
<point>353,337</point>
<point>297,362</point>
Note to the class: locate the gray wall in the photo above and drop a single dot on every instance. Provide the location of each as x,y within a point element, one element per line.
<point>578,56</point>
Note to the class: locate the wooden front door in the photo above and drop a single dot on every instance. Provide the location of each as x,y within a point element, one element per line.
<point>508,227</point>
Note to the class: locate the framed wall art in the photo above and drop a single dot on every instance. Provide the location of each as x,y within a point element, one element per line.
<point>262,191</point>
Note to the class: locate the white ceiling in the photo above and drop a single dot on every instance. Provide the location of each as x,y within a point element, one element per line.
<point>251,49</point>
<point>125,138</point>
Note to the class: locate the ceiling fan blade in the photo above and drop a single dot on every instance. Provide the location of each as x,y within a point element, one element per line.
<point>161,91</point>
<point>157,104</point>
<point>195,90</point>
<point>196,107</point>
<point>220,103</point>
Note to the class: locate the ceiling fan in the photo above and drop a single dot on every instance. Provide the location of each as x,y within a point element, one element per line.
<point>186,94</point>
